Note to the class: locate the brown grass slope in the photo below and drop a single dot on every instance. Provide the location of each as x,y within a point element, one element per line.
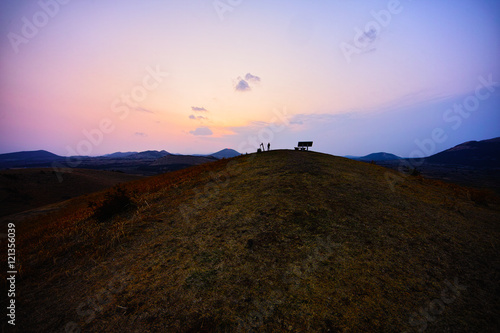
<point>278,241</point>
<point>183,160</point>
<point>23,189</point>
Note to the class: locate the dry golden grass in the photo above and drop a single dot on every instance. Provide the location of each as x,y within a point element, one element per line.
<point>279,241</point>
<point>23,189</point>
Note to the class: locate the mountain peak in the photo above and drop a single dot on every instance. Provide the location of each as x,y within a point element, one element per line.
<point>381,156</point>
<point>24,157</point>
<point>225,153</point>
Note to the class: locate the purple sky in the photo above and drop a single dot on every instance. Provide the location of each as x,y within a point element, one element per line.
<point>95,77</point>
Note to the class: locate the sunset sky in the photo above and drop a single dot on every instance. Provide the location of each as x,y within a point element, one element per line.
<point>197,76</point>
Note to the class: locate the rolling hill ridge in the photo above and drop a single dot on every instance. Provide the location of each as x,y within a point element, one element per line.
<point>485,153</point>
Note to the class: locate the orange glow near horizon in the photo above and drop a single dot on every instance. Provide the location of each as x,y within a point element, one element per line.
<point>199,82</point>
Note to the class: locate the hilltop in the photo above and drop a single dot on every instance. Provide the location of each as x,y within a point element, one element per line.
<point>277,241</point>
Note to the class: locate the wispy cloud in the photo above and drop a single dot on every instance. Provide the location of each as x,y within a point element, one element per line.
<point>368,39</point>
<point>244,83</point>
<point>198,109</point>
<point>242,86</point>
<point>193,117</point>
<point>203,131</point>
<point>252,78</point>
<point>141,134</point>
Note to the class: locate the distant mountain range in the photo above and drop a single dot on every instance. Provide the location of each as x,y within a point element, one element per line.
<point>485,153</point>
<point>224,153</point>
<point>148,154</point>
<point>120,154</point>
<point>145,162</point>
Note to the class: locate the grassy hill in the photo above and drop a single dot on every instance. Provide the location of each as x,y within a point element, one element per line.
<point>278,241</point>
<point>23,189</point>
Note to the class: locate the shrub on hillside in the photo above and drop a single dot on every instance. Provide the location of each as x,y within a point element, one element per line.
<point>414,172</point>
<point>115,202</point>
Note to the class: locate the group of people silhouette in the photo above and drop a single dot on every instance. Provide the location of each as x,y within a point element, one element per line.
<point>263,149</point>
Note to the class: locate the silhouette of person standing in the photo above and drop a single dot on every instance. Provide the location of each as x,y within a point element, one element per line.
<point>268,146</point>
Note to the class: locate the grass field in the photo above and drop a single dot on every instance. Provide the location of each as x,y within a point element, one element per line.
<point>23,189</point>
<point>278,241</point>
